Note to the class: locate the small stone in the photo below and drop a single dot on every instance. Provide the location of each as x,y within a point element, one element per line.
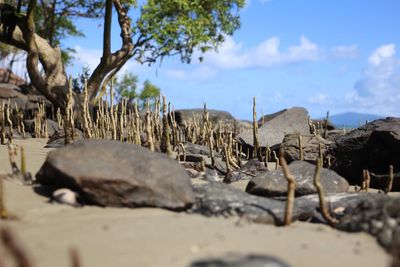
<point>66,196</point>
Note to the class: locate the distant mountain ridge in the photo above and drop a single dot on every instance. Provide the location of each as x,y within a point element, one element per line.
<point>353,119</point>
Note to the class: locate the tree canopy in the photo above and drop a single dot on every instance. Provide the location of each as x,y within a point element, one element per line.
<point>150,30</point>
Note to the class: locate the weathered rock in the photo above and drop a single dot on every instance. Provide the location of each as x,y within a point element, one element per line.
<point>310,145</point>
<point>52,126</point>
<point>373,146</point>
<point>57,140</point>
<point>186,115</point>
<point>268,117</point>
<point>12,92</point>
<point>274,184</point>
<point>110,173</point>
<point>10,78</point>
<point>219,199</point>
<point>294,120</point>
<point>237,260</point>
<point>378,216</point>
<point>197,149</point>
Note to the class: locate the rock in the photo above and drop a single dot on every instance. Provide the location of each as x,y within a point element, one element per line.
<point>198,149</point>
<point>294,120</point>
<point>52,126</point>
<point>378,215</point>
<point>254,167</point>
<point>237,260</point>
<point>111,173</point>
<point>310,145</point>
<point>10,78</point>
<point>66,196</point>
<point>57,140</point>
<point>269,117</point>
<point>373,146</point>
<point>12,92</point>
<point>219,199</point>
<point>186,115</point>
<point>274,184</point>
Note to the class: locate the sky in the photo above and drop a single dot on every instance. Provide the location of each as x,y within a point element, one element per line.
<point>331,55</point>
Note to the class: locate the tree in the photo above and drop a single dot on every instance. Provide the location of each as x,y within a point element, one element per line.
<point>149,91</point>
<point>79,82</point>
<point>126,86</point>
<point>161,28</point>
<point>54,20</point>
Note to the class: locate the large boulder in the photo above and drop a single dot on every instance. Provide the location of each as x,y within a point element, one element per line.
<point>294,120</point>
<point>111,173</point>
<point>274,183</point>
<point>186,115</point>
<point>310,145</point>
<point>12,92</point>
<point>373,146</point>
<point>219,199</point>
<point>238,260</point>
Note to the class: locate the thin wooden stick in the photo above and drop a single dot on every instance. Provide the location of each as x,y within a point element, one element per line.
<point>291,187</point>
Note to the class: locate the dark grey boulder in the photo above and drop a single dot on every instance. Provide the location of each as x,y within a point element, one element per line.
<point>111,173</point>
<point>274,184</point>
<point>52,126</point>
<point>186,115</point>
<point>237,260</point>
<point>378,216</point>
<point>57,139</point>
<point>219,199</point>
<point>294,120</point>
<point>197,149</point>
<point>310,145</point>
<point>373,146</point>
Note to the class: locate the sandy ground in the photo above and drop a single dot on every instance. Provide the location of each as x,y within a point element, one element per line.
<point>155,237</point>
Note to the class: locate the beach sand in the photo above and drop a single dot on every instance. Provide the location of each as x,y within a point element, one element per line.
<point>155,237</point>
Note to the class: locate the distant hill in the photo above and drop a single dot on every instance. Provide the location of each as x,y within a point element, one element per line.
<point>352,119</point>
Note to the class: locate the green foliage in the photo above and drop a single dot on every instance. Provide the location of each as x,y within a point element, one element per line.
<point>180,26</point>
<point>149,91</point>
<point>125,86</point>
<point>79,82</point>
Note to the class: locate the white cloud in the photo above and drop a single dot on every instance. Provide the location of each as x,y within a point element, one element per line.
<point>320,99</point>
<point>268,53</point>
<point>382,54</point>
<point>345,52</point>
<point>88,57</point>
<point>197,74</point>
<point>378,90</point>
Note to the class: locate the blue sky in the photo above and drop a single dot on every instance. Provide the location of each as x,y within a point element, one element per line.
<point>336,55</point>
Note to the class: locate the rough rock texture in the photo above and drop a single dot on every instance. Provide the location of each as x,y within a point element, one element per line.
<point>111,173</point>
<point>219,199</point>
<point>379,217</point>
<point>373,146</point>
<point>186,115</point>
<point>274,184</point>
<point>11,78</point>
<point>235,260</point>
<point>17,96</point>
<point>198,149</point>
<point>52,126</point>
<point>294,120</point>
<point>57,139</point>
<point>310,145</point>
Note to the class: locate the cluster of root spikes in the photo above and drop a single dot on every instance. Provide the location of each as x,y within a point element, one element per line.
<point>154,126</point>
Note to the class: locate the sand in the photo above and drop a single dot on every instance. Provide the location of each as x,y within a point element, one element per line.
<point>156,237</point>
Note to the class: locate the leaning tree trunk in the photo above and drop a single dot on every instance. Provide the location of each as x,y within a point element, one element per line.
<point>53,83</point>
